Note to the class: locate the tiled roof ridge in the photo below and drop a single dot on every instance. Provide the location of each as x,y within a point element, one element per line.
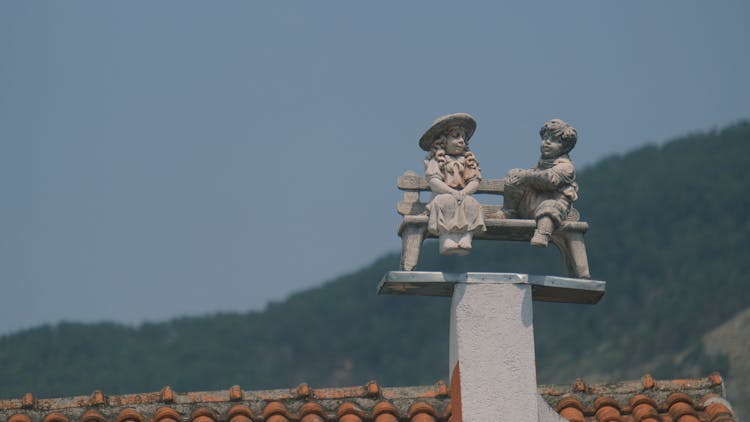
<point>643,400</point>
<point>647,400</point>
<point>235,393</point>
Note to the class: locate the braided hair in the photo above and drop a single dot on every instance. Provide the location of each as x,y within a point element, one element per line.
<point>438,153</point>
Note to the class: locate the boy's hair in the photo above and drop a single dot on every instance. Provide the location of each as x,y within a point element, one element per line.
<point>559,129</point>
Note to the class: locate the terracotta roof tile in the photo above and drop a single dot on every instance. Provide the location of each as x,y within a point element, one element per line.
<point>127,415</point>
<point>165,414</point>
<point>275,412</point>
<point>645,400</point>
<point>312,412</point>
<point>644,409</point>
<point>55,417</point>
<point>28,401</point>
<point>19,417</point>
<point>167,395</point>
<point>93,416</point>
<point>648,382</point>
<point>235,393</point>
<point>385,412</point>
<point>97,399</point>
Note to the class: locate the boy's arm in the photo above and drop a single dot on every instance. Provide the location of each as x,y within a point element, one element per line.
<point>549,179</point>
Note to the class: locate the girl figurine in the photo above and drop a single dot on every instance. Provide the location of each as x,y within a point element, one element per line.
<point>547,191</point>
<point>453,174</point>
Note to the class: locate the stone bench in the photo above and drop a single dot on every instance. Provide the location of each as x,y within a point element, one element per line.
<point>413,229</point>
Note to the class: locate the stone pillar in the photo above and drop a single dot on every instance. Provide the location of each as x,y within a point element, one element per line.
<point>492,361</point>
<point>492,351</point>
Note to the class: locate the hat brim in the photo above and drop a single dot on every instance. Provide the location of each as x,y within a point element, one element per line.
<point>464,120</point>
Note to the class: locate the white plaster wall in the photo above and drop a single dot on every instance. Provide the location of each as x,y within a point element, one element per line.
<point>492,336</point>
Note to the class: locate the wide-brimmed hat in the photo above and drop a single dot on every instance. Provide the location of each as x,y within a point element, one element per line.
<point>440,125</point>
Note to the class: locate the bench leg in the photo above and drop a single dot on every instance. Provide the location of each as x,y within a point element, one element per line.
<point>573,251</point>
<point>411,244</point>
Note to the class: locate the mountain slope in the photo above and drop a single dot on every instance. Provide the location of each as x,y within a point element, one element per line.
<point>668,233</point>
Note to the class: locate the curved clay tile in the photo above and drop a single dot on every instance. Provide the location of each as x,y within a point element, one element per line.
<point>648,382</point>
<point>303,390</point>
<point>715,378</point>
<point>97,398</point>
<point>203,414</point>
<point>682,412</point>
<point>239,413</point>
<point>275,412</point>
<point>127,415</point>
<point>421,412</point>
<point>385,412</point>
<point>607,410</point>
<point>386,417</point>
<point>166,394</point>
<point>373,389</point>
<point>55,417</point>
<point>678,398</point>
<point>19,417</point>
<point>681,408</point>
<point>235,393</point>
<point>725,419</point>
<point>349,412</point>
<point>312,412</point>
<point>717,409</point>
<point>718,412</point>
<point>28,401</point>
<point>644,409</point>
<point>571,409</point>
<point>166,414</point>
<point>93,416</point>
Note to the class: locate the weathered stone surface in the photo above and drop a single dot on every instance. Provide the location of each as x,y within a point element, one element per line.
<point>545,192</point>
<point>543,287</point>
<point>453,175</point>
<point>537,205</point>
<point>492,364</point>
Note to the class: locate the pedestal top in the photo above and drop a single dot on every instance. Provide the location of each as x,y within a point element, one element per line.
<point>544,287</point>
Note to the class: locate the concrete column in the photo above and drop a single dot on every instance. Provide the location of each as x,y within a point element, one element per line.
<point>492,362</point>
<point>492,342</point>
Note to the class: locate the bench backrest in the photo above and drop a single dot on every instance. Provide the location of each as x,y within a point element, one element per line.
<point>412,183</point>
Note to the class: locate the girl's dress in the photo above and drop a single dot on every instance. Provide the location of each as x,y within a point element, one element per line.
<point>446,214</point>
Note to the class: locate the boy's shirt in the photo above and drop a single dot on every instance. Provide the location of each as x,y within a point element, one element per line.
<point>556,174</point>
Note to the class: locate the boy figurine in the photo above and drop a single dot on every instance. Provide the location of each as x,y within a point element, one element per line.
<point>546,192</point>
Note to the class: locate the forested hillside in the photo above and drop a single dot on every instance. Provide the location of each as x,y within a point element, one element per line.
<point>668,232</point>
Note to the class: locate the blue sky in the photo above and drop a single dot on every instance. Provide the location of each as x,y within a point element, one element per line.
<point>170,158</point>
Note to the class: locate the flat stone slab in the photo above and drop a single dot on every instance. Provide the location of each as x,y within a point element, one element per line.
<point>545,288</point>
